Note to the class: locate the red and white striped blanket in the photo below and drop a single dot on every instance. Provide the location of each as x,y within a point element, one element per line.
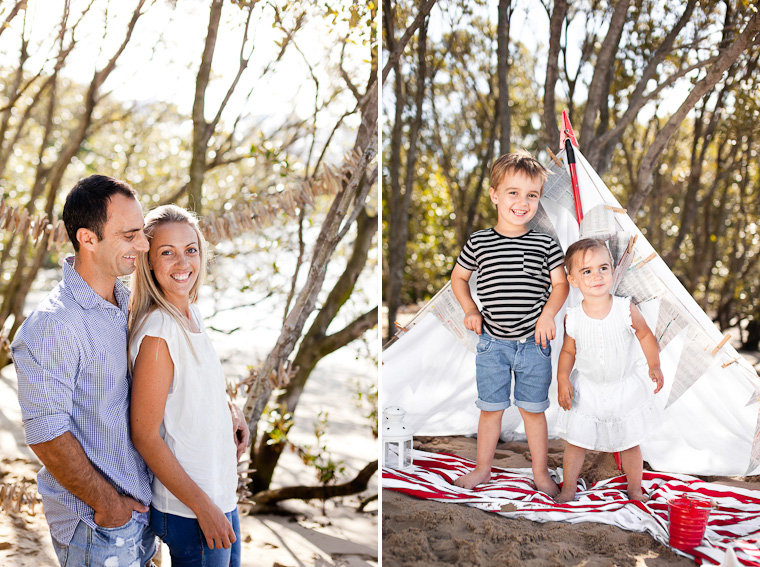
<point>734,522</point>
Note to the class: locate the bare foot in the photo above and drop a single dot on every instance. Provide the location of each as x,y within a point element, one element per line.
<point>566,496</point>
<point>638,495</point>
<point>545,484</point>
<point>472,479</point>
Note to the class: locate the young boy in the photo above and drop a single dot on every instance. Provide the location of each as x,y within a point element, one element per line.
<point>515,268</point>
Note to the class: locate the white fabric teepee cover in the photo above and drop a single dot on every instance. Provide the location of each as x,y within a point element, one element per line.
<point>709,401</point>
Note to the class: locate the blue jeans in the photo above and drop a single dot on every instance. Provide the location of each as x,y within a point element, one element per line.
<point>495,362</point>
<point>187,545</point>
<point>131,545</point>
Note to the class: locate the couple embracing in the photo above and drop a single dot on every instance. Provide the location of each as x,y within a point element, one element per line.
<point>122,395</point>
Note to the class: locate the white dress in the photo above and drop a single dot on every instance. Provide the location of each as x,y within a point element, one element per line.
<point>613,409</point>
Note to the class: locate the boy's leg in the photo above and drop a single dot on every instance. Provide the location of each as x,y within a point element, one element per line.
<point>537,433</point>
<point>533,375</point>
<point>489,429</point>
<point>633,466</point>
<point>572,463</point>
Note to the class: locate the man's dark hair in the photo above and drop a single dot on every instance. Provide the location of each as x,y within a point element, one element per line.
<point>87,204</point>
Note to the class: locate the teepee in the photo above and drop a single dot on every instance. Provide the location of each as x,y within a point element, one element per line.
<point>710,401</point>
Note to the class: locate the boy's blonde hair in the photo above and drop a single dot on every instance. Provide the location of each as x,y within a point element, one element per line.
<point>580,247</point>
<point>519,161</point>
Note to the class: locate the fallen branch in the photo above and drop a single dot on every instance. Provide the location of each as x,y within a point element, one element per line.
<point>366,501</point>
<point>358,484</point>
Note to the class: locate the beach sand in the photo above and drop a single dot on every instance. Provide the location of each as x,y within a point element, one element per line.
<point>423,533</point>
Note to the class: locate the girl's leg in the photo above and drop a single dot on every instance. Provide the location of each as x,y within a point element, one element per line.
<point>633,466</point>
<point>187,545</point>
<point>489,429</point>
<point>236,554</point>
<point>537,433</point>
<point>572,463</point>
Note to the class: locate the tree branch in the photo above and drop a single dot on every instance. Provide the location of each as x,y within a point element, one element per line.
<point>355,486</point>
<point>400,45</point>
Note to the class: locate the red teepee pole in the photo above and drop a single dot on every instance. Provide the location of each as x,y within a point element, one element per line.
<point>568,141</point>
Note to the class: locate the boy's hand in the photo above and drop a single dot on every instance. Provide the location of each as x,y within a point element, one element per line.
<point>545,330</point>
<point>566,394</point>
<point>473,320</point>
<point>656,375</point>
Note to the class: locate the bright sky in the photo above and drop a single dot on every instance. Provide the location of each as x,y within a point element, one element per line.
<point>161,61</point>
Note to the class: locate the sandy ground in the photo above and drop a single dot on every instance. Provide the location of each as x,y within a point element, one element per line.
<point>422,533</point>
<point>339,537</point>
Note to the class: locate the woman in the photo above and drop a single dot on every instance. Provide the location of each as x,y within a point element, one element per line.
<point>180,419</point>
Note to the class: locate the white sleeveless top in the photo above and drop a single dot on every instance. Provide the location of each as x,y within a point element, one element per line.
<point>613,409</point>
<point>197,424</point>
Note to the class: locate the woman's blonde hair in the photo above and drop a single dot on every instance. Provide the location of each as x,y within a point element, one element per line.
<point>146,294</point>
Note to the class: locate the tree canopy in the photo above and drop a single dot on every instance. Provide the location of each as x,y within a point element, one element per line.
<point>664,101</point>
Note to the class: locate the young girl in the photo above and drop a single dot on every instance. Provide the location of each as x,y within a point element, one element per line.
<point>180,419</point>
<point>609,406</point>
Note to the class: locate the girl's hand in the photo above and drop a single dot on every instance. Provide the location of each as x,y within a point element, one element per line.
<point>656,375</point>
<point>473,321</point>
<point>216,528</point>
<point>566,394</point>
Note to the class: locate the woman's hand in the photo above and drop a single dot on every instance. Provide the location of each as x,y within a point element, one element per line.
<point>216,528</point>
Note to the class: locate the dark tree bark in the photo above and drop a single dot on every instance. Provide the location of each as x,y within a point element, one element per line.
<point>401,197</point>
<point>605,60</point>
<point>549,116</point>
<point>316,344</point>
<point>502,57</point>
<point>355,486</point>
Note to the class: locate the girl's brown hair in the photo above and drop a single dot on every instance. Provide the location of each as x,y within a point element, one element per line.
<point>580,247</point>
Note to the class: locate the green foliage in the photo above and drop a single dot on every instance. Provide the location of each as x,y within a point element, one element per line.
<point>703,212</point>
<point>279,423</point>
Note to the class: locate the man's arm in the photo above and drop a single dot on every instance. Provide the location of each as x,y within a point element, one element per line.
<point>239,429</point>
<point>66,460</point>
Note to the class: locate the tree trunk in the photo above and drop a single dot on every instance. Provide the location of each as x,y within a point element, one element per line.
<point>316,344</point>
<point>502,57</point>
<point>604,144</point>
<point>400,202</point>
<point>597,95</point>
<point>201,130</point>
<point>549,117</point>
<point>753,336</point>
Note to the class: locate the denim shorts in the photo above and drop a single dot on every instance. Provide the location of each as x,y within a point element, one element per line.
<point>187,544</point>
<point>495,363</point>
<point>131,545</point>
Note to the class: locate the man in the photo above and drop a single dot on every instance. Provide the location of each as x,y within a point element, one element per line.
<point>71,361</point>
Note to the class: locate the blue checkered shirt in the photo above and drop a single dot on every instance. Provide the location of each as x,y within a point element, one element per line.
<point>71,362</point>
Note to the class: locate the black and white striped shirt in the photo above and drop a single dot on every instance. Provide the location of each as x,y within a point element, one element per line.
<point>513,278</point>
